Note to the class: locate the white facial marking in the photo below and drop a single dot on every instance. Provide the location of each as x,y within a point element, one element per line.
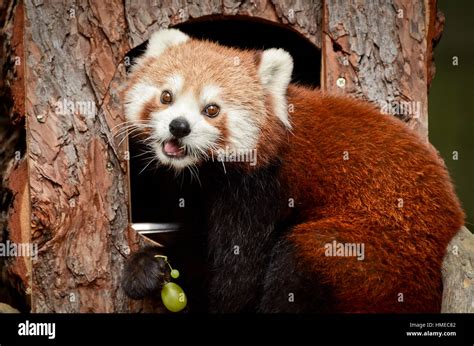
<point>275,70</point>
<point>243,131</point>
<point>210,94</point>
<point>137,97</point>
<point>175,84</point>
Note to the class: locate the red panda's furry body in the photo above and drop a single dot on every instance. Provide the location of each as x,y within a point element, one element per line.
<point>358,176</point>
<point>341,173</point>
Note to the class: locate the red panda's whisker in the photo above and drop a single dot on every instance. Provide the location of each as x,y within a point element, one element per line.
<point>127,124</point>
<point>131,134</point>
<point>223,165</point>
<point>148,140</point>
<point>153,158</point>
<point>144,153</point>
<point>195,172</point>
<point>129,127</point>
<point>126,130</point>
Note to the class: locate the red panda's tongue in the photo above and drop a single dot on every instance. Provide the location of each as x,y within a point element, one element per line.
<point>172,148</point>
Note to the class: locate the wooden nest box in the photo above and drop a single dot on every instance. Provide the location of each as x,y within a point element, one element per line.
<point>65,177</point>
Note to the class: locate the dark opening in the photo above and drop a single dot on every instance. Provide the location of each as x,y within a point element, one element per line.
<point>255,33</point>
<point>157,196</point>
<point>242,32</point>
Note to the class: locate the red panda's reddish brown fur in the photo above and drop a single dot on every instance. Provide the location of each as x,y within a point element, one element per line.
<point>399,203</point>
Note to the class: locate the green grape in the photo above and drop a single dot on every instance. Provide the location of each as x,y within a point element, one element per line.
<point>175,273</point>
<point>173,297</point>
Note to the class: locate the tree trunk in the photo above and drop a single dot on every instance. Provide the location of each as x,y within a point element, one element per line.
<point>381,51</point>
<point>14,194</point>
<point>77,175</point>
<point>458,274</point>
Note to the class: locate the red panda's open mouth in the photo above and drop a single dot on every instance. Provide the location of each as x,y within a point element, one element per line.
<point>174,149</point>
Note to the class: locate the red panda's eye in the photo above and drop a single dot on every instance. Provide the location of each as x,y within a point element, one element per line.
<point>166,97</point>
<point>211,110</point>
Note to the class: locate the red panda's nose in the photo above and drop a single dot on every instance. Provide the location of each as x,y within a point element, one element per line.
<point>179,127</point>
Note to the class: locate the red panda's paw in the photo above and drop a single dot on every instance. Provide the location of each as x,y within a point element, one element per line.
<point>144,273</point>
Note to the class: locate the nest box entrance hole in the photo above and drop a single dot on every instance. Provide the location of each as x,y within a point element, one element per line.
<point>162,203</point>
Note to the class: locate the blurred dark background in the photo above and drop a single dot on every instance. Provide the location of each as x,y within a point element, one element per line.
<point>451,116</point>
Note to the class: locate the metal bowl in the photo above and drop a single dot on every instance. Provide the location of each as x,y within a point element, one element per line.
<point>165,234</point>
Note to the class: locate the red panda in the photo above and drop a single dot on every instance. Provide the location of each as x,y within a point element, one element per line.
<point>343,209</point>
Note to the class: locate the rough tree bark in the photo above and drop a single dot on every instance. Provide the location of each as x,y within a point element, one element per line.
<point>458,274</point>
<point>74,176</point>
<point>145,17</point>
<point>381,51</point>
<point>77,175</point>
<point>14,194</point>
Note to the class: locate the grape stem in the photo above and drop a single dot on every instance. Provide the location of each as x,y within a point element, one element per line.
<point>165,258</point>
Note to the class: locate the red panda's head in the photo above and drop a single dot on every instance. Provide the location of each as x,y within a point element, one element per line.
<point>196,99</point>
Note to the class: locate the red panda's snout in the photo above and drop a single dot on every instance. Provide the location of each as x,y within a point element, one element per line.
<point>180,135</point>
<point>179,128</point>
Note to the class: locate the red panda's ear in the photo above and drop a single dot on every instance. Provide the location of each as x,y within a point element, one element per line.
<point>275,68</point>
<point>163,39</point>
